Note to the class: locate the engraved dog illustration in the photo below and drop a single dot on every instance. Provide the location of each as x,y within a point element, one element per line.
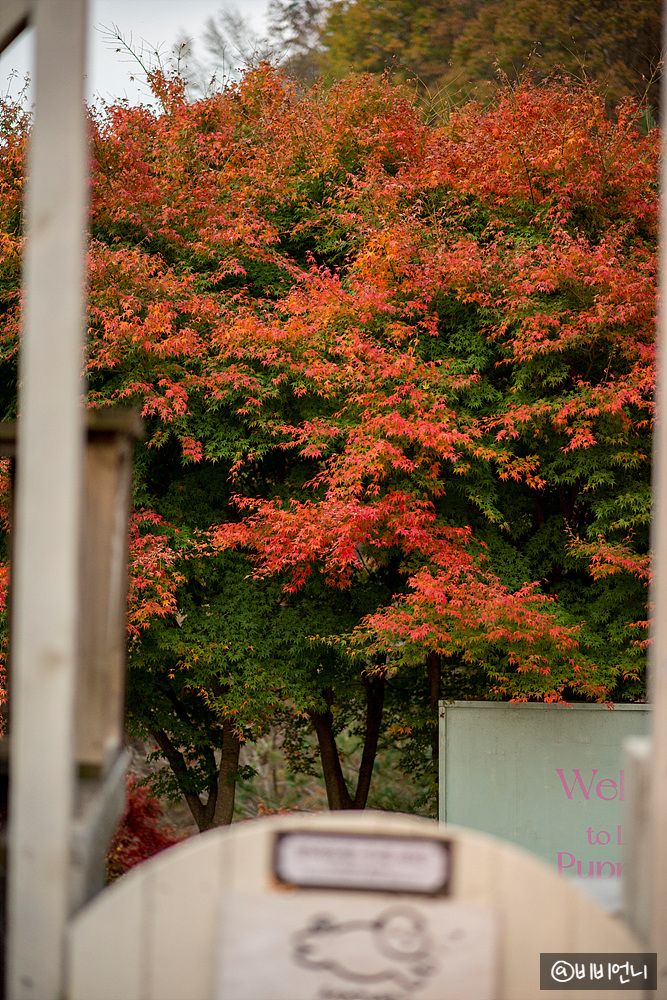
<point>393,947</point>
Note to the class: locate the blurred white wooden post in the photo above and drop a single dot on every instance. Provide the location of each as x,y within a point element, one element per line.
<point>45,630</point>
<point>658,656</point>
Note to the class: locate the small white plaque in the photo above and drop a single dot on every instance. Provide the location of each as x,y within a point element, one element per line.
<point>282,945</point>
<point>358,861</point>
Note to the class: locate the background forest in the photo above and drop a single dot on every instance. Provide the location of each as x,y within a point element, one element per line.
<point>452,50</point>
<point>395,360</point>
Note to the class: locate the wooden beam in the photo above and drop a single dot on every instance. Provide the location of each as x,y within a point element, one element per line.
<point>45,625</point>
<point>100,703</point>
<point>657,860</point>
<point>14,17</point>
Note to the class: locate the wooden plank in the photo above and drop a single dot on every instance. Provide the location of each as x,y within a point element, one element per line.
<point>100,688</point>
<point>589,933</point>
<point>182,921</point>
<point>107,947</point>
<point>534,914</point>
<point>473,863</point>
<point>48,510</point>
<point>100,806</point>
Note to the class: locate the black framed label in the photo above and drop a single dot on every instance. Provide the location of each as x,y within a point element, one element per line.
<point>317,859</point>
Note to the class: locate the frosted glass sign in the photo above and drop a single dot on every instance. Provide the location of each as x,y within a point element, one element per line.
<point>549,778</point>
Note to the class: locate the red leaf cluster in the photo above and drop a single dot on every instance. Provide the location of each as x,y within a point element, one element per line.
<point>141,833</point>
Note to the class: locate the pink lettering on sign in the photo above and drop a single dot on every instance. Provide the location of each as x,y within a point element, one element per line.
<point>606,789</point>
<point>604,837</point>
<point>584,868</point>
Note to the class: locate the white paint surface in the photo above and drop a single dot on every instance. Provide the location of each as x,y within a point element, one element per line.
<point>45,571</point>
<point>220,887</point>
<point>328,946</point>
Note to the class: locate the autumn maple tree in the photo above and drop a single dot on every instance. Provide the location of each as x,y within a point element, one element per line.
<point>397,388</point>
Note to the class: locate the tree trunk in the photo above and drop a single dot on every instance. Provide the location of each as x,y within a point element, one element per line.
<point>177,763</point>
<point>229,766</point>
<point>338,795</point>
<point>434,673</point>
<point>218,808</point>
<point>374,706</point>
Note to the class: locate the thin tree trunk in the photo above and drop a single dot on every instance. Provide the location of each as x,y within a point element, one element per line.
<point>229,766</point>
<point>434,674</point>
<point>177,763</point>
<point>338,795</point>
<point>374,705</point>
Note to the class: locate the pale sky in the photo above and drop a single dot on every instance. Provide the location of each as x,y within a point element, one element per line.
<point>147,24</point>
